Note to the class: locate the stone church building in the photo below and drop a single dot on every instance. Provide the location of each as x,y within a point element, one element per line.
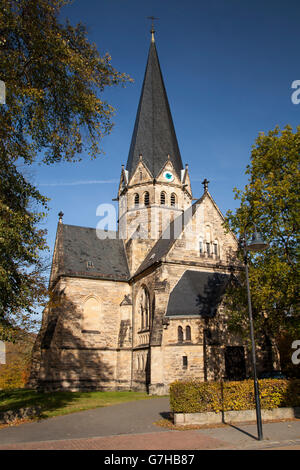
<point>142,307</point>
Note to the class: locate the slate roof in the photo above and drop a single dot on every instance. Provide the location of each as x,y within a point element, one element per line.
<point>197,293</point>
<point>154,135</point>
<point>81,245</point>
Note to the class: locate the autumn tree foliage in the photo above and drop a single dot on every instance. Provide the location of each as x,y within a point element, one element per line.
<point>54,112</point>
<point>15,372</point>
<point>271,201</point>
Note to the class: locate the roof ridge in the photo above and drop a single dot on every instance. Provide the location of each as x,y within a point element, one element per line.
<point>89,228</point>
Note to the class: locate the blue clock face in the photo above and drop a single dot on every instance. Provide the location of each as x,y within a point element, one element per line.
<point>168,176</point>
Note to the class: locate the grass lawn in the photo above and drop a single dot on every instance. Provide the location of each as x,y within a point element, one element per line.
<point>61,403</point>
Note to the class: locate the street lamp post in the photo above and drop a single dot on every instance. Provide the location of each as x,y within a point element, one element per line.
<point>256,244</point>
<point>2,92</point>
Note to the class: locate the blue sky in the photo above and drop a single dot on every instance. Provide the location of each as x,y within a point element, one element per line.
<point>228,66</point>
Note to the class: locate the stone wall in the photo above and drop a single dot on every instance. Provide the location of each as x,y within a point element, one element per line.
<point>74,358</point>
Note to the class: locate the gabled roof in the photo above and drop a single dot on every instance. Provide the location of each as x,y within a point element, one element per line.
<point>84,254</point>
<point>154,135</point>
<point>197,293</point>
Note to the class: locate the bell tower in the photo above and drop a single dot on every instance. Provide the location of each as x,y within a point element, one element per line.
<point>155,187</point>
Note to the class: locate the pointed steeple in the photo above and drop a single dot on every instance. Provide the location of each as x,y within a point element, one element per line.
<point>154,135</point>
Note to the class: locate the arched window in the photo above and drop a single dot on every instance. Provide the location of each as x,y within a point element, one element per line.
<point>215,248</point>
<point>201,247</point>
<point>162,198</point>
<point>146,199</point>
<point>144,309</point>
<point>180,334</point>
<point>136,199</point>
<point>91,316</point>
<point>173,199</point>
<point>188,333</point>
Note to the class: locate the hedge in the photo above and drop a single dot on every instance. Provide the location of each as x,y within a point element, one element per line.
<point>200,397</point>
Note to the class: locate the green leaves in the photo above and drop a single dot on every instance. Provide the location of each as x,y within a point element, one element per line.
<point>54,112</point>
<point>22,282</point>
<point>54,79</point>
<point>271,201</point>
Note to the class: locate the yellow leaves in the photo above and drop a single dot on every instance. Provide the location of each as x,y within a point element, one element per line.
<point>197,397</point>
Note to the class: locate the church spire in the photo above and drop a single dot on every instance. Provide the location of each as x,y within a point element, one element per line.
<point>154,135</point>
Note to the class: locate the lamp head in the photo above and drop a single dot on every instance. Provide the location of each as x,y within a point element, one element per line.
<point>257,243</point>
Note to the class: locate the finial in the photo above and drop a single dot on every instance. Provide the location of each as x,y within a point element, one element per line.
<point>60,215</point>
<point>152,31</point>
<point>140,157</point>
<point>205,184</point>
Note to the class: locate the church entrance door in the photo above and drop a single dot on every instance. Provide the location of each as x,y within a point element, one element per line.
<point>235,365</point>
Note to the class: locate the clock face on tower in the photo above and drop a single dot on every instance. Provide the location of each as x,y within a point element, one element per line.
<point>168,176</point>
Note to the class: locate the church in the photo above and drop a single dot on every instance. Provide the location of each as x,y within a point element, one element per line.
<point>141,307</point>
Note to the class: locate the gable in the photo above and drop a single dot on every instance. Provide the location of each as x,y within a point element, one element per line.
<point>141,174</point>
<point>168,169</point>
<point>180,240</point>
<point>206,225</point>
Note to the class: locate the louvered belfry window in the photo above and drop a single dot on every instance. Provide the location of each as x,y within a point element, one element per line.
<point>163,198</point>
<point>146,199</point>
<point>173,200</point>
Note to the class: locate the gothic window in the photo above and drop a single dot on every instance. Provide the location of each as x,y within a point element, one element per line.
<point>215,246</point>
<point>91,316</point>
<point>208,248</point>
<point>188,333</point>
<point>136,199</point>
<point>180,334</point>
<point>173,199</point>
<point>146,199</point>
<point>163,198</point>
<point>144,309</point>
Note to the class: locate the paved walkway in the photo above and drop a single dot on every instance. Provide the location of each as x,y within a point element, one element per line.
<point>130,426</point>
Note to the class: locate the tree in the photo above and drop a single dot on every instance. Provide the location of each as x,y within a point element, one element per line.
<point>54,79</point>
<point>22,242</point>
<point>54,112</point>
<point>15,372</point>
<point>271,201</point>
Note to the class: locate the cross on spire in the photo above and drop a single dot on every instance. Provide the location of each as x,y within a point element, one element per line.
<point>205,184</point>
<point>152,31</point>
<point>60,215</point>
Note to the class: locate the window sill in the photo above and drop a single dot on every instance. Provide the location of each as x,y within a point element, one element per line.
<point>92,332</point>
<point>145,330</point>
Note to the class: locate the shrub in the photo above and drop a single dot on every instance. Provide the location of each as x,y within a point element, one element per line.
<point>199,397</point>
